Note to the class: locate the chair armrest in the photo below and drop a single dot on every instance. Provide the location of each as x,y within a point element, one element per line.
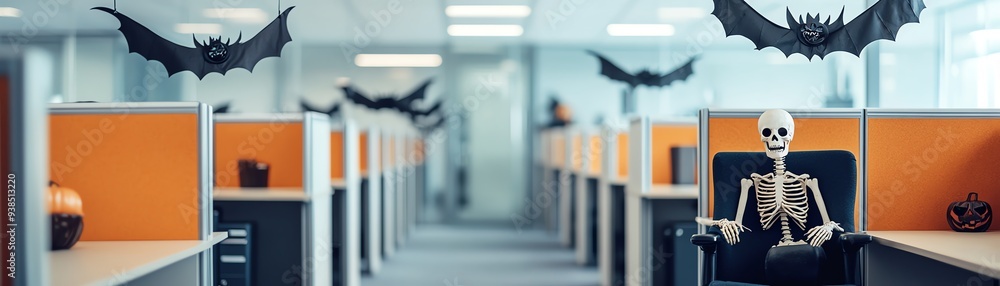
<point>851,244</point>
<point>707,242</point>
<point>705,239</point>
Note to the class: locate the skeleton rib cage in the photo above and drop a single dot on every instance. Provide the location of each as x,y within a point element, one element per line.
<point>781,195</point>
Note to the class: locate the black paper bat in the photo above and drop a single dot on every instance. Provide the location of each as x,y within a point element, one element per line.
<point>403,104</point>
<point>222,108</point>
<point>812,37</point>
<point>331,111</point>
<point>426,112</point>
<point>644,77</point>
<point>214,56</point>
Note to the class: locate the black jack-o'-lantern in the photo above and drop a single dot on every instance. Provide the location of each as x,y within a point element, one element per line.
<point>66,211</point>
<point>971,215</point>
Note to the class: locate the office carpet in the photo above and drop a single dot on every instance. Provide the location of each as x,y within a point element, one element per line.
<point>467,255</point>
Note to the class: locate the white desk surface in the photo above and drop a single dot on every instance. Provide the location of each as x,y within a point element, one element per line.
<point>118,262</point>
<point>976,251</point>
<point>260,194</point>
<point>338,183</point>
<point>594,175</point>
<point>619,181</point>
<point>670,192</point>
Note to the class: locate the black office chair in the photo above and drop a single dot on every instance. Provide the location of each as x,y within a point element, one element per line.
<point>744,263</point>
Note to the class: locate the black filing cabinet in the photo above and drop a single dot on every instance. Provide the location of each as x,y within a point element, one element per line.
<point>232,255</point>
<point>681,263</point>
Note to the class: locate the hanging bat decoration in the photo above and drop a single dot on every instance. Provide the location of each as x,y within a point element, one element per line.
<point>426,112</point>
<point>205,57</point>
<point>222,108</point>
<point>330,111</point>
<point>812,37</point>
<point>404,104</point>
<point>644,77</point>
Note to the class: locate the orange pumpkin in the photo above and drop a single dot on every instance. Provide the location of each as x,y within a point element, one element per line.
<point>63,200</point>
<point>66,212</point>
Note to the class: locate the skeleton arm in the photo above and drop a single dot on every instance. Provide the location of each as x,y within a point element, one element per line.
<point>731,229</point>
<point>820,234</point>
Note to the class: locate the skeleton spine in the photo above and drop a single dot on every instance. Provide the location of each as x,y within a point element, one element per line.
<point>786,233</point>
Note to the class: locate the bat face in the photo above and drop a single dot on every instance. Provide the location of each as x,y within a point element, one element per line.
<point>813,33</point>
<point>215,51</point>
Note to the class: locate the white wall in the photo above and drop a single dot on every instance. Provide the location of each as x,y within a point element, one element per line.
<point>723,78</point>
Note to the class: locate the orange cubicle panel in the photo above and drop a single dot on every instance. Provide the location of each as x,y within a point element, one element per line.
<point>558,151</point>
<point>662,138</point>
<point>418,152</point>
<point>137,174</point>
<point>596,148</point>
<point>622,155</point>
<point>337,155</point>
<point>276,143</point>
<point>740,135</point>
<point>917,166</point>
<point>576,152</point>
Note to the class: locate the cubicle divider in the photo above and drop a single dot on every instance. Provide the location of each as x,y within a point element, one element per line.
<point>586,187</point>
<point>402,187</point>
<point>143,173</point>
<point>552,144</point>
<point>918,162</point>
<point>389,185</point>
<point>345,178</point>
<point>292,241</point>
<point>611,205</point>
<point>371,200</point>
<point>655,207</point>
<point>571,164</point>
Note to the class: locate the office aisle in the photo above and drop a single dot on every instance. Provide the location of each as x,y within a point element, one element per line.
<point>468,255</point>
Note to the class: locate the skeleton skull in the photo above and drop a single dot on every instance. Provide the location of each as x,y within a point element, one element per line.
<point>776,131</point>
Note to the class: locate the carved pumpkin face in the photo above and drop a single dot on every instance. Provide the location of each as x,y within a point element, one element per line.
<point>971,215</point>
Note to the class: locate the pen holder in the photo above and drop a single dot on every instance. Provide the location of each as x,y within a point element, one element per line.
<point>253,174</point>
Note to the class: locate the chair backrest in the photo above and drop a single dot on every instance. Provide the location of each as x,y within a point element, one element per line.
<point>744,262</point>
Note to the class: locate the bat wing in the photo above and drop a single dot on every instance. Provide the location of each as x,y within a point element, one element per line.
<point>308,107</point>
<point>416,94</point>
<point>881,21</point>
<point>738,18</point>
<point>613,72</point>
<point>415,112</point>
<point>175,58</point>
<point>358,98</point>
<point>267,43</point>
<point>680,73</point>
<point>223,108</point>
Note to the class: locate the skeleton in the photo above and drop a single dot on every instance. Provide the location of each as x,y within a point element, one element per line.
<point>781,195</point>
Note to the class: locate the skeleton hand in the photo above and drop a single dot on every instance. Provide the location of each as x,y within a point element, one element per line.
<point>730,229</point>
<point>820,234</point>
